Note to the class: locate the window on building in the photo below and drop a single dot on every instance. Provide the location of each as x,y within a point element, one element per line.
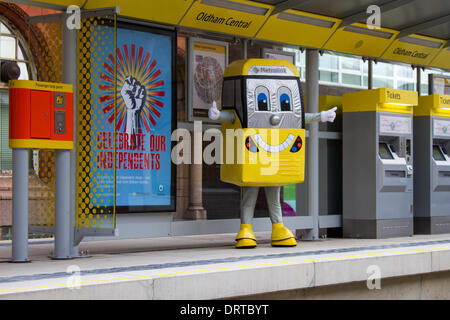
<point>383,75</point>
<point>329,69</point>
<point>350,71</point>
<point>328,76</point>
<point>299,61</point>
<point>405,77</point>
<point>379,82</point>
<point>328,61</point>
<point>424,79</point>
<point>12,48</point>
<point>383,69</point>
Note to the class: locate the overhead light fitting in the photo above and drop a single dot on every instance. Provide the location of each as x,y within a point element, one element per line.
<point>306,20</point>
<point>422,42</point>
<point>226,4</point>
<point>369,32</point>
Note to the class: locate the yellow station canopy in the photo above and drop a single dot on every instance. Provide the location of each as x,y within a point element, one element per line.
<point>411,31</point>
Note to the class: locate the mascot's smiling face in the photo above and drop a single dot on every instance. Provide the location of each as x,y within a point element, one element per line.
<point>266,97</point>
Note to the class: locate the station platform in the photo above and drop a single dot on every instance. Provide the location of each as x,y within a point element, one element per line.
<point>209,267</point>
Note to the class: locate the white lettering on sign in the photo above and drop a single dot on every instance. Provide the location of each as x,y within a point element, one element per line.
<point>392,124</point>
<point>270,71</point>
<point>441,128</point>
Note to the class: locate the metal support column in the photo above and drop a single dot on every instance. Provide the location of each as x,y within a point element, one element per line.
<point>312,147</point>
<point>62,205</point>
<point>20,205</point>
<point>244,49</point>
<point>70,77</point>
<point>64,176</point>
<point>370,74</point>
<point>419,81</point>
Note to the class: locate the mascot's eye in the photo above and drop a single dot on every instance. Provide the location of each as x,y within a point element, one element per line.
<point>285,99</point>
<point>262,102</point>
<point>261,99</point>
<point>285,102</point>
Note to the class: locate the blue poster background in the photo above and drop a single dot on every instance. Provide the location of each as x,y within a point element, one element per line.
<point>143,169</point>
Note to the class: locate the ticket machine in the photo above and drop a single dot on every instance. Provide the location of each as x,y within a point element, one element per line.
<point>432,165</point>
<point>378,163</point>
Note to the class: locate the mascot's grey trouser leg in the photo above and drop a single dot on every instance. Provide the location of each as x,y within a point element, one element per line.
<point>249,196</point>
<point>281,236</point>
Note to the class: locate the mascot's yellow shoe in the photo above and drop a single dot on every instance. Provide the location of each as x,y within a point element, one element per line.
<point>245,239</point>
<point>282,236</point>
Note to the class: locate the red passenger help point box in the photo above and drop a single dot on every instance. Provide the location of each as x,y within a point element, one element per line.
<point>40,115</point>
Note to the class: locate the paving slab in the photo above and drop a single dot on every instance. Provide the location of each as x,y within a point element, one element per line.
<point>209,267</point>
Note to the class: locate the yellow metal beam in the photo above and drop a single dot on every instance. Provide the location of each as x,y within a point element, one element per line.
<point>360,40</point>
<point>298,28</point>
<point>442,59</point>
<point>251,19</point>
<point>414,49</point>
<point>238,17</point>
<point>169,12</point>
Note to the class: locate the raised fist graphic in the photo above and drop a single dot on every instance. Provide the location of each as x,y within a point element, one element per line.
<point>133,94</point>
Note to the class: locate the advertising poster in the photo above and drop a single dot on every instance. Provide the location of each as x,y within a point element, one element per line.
<point>207,62</point>
<point>143,173</point>
<point>439,84</point>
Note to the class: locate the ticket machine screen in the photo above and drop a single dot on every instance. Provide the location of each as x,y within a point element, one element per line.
<point>437,153</point>
<point>384,151</point>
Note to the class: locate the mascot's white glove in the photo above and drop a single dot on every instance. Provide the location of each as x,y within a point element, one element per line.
<point>213,112</point>
<point>328,115</point>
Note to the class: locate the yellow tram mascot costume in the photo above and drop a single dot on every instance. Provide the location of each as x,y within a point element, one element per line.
<point>263,125</point>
